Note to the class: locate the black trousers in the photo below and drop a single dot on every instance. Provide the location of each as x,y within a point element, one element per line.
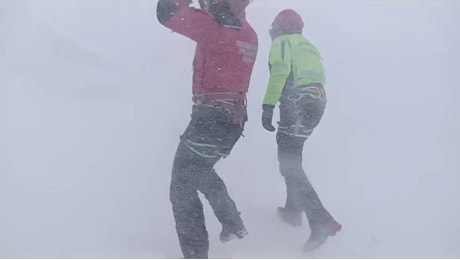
<point>299,116</point>
<point>209,136</point>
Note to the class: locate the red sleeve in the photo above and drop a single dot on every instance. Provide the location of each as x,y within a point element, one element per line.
<point>193,23</point>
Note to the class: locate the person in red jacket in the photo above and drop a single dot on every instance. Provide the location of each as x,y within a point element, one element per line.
<point>224,59</point>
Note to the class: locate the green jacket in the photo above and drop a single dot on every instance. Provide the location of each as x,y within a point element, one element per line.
<point>294,62</point>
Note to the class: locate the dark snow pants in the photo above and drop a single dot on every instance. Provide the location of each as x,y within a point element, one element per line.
<point>299,115</point>
<point>209,136</point>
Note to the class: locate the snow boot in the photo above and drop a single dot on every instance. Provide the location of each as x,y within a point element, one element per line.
<point>229,234</point>
<point>290,217</point>
<point>320,233</point>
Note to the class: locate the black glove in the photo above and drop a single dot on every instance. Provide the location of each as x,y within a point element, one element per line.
<point>267,116</point>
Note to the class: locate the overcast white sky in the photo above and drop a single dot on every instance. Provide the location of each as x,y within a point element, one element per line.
<point>95,93</point>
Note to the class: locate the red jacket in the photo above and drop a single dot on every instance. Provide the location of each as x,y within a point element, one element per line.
<point>224,56</point>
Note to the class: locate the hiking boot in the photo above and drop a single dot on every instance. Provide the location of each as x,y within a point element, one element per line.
<point>290,217</point>
<point>320,233</point>
<point>228,234</point>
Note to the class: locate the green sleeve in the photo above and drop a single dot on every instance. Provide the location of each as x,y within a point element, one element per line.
<point>280,69</point>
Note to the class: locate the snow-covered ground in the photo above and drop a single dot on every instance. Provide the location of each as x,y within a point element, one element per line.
<point>94,94</point>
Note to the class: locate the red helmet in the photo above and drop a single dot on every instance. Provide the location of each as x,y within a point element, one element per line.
<point>288,21</point>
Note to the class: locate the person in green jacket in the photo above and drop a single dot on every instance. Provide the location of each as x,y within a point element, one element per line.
<point>297,82</point>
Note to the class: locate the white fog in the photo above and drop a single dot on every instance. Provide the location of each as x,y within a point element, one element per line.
<point>95,93</point>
